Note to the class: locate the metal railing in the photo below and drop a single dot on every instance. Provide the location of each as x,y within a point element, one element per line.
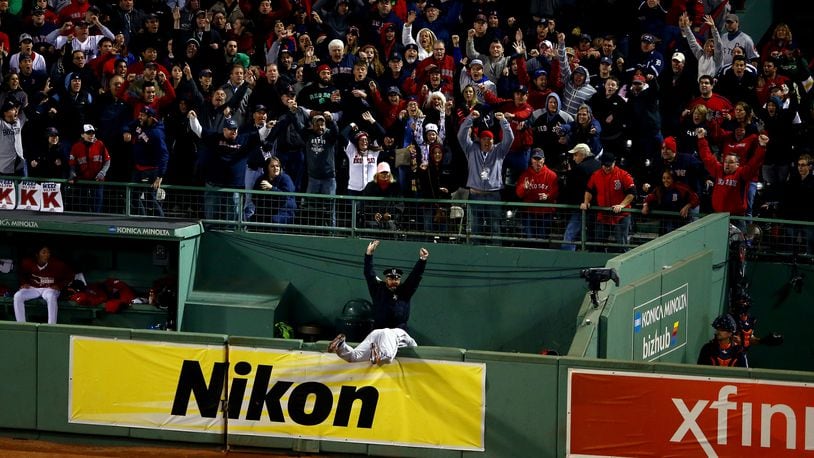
<point>457,220</point>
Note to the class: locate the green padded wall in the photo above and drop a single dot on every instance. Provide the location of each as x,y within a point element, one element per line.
<point>526,395</point>
<point>18,377</point>
<point>690,277</point>
<point>779,307</point>
<point>488,298</point>
<point>522,388</point>
<point>641,266</point>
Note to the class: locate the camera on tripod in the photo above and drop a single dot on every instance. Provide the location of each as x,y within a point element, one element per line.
<point>595,276</point>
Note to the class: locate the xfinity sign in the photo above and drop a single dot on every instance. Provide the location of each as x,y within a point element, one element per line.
<point>659,326</point>
<point>644,414</point>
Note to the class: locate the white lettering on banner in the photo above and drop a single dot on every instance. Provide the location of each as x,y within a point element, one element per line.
<point>687,416</point>
<point>723,405</point>
<point>660,324</point>
<point>655,345</point>
<point>16,223</point>
<point>140,231</point>
<point>664,310</point>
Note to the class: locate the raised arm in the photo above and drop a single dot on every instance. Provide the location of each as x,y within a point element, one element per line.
<point>370,274</point>
<point>194,124</point>
<point>463,132</point>
<point>565,69</point>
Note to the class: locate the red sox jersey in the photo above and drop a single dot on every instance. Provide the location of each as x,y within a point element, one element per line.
<point>610,189</point>
<point>542,187</point>
<point>729,191</point>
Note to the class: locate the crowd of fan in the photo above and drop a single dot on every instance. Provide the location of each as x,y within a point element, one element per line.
<point>369,96</point>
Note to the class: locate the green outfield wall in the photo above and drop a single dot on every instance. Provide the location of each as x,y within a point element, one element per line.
<point>526,395</point>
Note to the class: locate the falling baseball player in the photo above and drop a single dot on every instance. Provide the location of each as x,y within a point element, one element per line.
<point>379,347</point>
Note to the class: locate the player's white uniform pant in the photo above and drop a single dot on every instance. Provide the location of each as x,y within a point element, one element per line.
<point>50,295</point>
<point>387,340</point>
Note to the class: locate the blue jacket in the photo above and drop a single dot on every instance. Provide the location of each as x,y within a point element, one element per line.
<point>149,146</point>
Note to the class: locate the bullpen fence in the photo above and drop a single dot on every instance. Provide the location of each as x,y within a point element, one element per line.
<point>463,219</point>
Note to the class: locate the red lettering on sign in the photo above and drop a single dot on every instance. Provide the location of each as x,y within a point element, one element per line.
<point>5,195</point>
<point>27,197</point>
<point>49,200</point>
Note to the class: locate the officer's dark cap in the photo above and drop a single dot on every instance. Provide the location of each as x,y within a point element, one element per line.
<point>393,273</point>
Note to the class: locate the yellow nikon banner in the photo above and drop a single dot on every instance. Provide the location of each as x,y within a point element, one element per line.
<point>280,393</point>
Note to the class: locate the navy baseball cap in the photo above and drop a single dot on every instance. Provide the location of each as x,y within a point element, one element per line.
<point>230,124</point>
<point>606,60</point>
<point>648,38</point>
<point>149,111</point>
<point>393,272</point>
<point>538,153</point>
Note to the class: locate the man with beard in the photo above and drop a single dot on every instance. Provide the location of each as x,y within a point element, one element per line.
<point>322,94</point>
<point>319,144</point>
<point>150,157</point>
<point>391,297</point>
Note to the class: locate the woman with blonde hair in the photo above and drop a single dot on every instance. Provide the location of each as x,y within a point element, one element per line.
<point>425,39</point>
<point>685,138</point>
<point>780,42</point>
<point>368,53</point>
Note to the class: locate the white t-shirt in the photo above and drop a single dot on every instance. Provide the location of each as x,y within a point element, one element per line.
<point>362,167</point>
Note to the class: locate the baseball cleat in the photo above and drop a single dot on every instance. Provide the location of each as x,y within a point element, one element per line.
<point>375,354</point>
<point>334,345</point>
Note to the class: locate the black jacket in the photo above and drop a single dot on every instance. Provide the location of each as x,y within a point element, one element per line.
<point>391,309</point>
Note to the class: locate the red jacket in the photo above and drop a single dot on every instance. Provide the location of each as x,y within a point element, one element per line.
<point>542,182</point>
<point>718,105</point>
<point>73,12</point>
<point>88,159</point>
<point>743,148</point>
<point>523,135</point>
<point>446,65</point>
<point>610,189</point>
<point>765,91</point>
<point>159,103</point>
<point>389,113</point>
<point>729,192</point>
